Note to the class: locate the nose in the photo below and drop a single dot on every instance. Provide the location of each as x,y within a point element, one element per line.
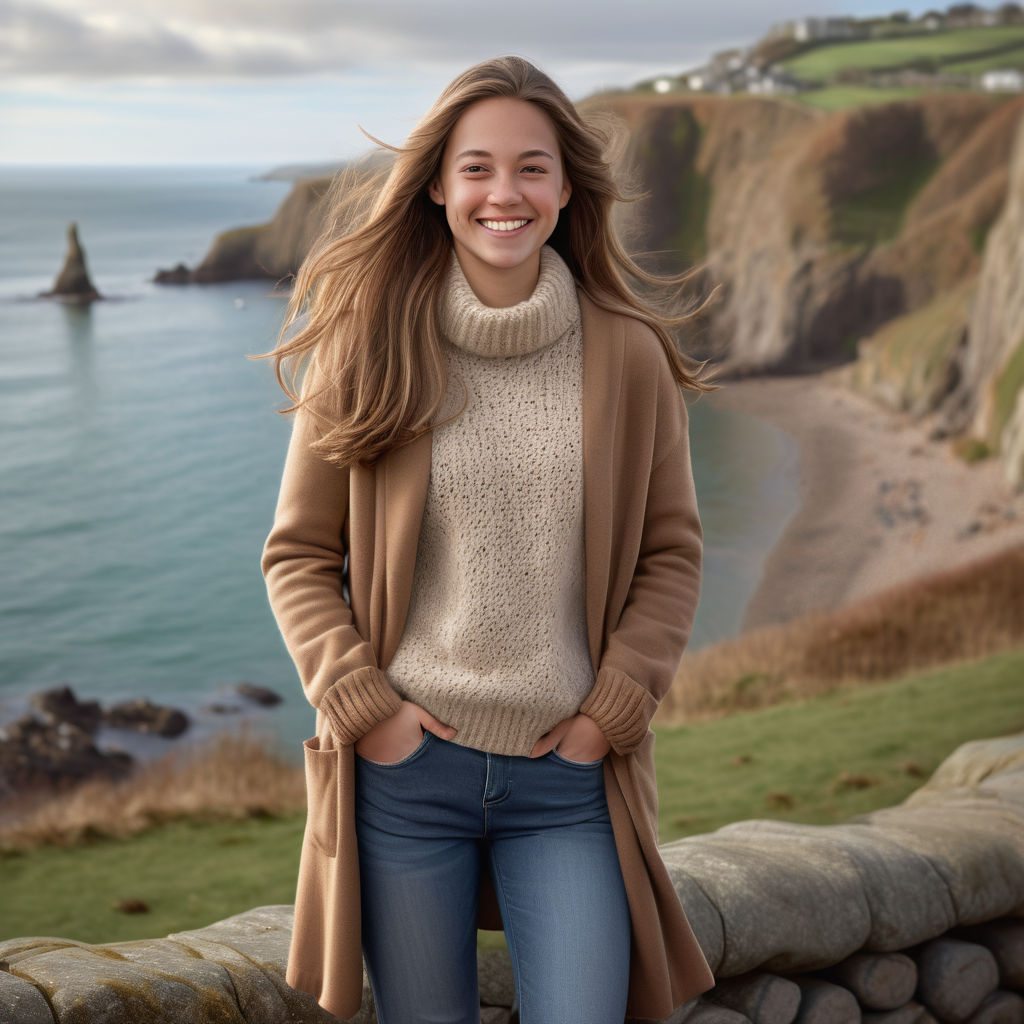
<point>505,191</point>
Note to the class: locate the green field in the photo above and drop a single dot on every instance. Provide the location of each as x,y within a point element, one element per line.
<point>840,97</point>
<point>935,50</point>
<point>975,66</point>
<point>817,761</point>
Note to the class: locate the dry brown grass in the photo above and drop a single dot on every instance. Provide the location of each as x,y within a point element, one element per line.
<point>955,615</point>
<point>230,777</point>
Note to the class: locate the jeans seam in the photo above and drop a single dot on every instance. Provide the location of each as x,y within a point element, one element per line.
<point>510,939</point>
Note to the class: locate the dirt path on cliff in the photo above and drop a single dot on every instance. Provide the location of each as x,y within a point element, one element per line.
<point>880,503</point>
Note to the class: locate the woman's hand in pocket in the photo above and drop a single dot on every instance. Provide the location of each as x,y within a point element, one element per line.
<point>577,739</point>
<point>398,736</point>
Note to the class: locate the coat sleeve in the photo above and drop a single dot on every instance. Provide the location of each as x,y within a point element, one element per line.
<point>304,563</point>
<point>642,653</point>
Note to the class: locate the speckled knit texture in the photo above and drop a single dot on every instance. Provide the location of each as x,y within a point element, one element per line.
<point>495,640</point>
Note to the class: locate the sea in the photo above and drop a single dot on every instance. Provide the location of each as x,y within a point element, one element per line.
<point>141,449</point>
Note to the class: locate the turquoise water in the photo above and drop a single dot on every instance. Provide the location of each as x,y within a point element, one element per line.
<point>141,454</point>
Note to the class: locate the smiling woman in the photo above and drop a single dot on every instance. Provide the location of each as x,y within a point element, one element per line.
<point>486,601</point>
<point>502,184</point>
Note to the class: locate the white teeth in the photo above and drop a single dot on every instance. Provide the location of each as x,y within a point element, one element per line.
<point>504,225</point>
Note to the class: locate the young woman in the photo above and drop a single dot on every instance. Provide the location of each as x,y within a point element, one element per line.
<point>485,563</point>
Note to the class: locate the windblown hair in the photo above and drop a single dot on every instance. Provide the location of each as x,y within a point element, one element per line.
<point>361,342</point>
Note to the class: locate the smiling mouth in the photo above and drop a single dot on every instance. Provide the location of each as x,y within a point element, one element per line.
<point>505,225</point>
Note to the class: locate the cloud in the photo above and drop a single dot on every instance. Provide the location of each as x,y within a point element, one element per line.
<point>78,41</point>
<point>267,38</point>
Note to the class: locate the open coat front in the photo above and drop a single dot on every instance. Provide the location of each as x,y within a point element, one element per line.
<point>643,543</point>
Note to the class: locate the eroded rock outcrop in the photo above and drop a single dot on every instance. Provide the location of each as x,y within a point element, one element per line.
<point>58,746</point>
<point>990,363</point>
<point>276,249</point>
<point>263,251</point>
<point>820,227</point>
<point>960,355</point>
<point>73,283</point>
<point>906,915</point>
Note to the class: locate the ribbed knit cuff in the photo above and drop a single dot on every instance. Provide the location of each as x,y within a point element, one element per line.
<point>357,702</point>
<point>621,707</point>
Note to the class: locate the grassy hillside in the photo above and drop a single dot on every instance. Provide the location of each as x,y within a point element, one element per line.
<point>983,47</point>
<point>842,97</point>
<point>820,760</point>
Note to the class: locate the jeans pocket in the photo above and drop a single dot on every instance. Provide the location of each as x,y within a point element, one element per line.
<point>402,762</point>
<point>556,756</point>
<point>322,784</point>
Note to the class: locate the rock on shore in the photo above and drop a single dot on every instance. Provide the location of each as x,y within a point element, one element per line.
<point>57,746</point>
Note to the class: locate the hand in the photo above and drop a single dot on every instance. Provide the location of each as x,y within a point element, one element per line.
<point>577,739</point>
<point>398,736</point>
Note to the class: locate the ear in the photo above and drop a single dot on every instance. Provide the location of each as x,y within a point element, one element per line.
<point>566,192</point>
<point>435,191</point>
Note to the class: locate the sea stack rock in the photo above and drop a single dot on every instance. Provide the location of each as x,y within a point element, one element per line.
<point>73,283</point>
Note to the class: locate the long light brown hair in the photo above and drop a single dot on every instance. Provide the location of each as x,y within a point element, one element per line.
<point>362,328</point>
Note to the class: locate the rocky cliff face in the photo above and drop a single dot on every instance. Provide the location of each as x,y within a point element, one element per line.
<point>275,249</point>
<point>820,227</point>
<point>887,239</point>
<point>272,250</point>
<point>988,399</point>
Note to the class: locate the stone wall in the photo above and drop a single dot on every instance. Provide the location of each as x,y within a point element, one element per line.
<point>907,915</point>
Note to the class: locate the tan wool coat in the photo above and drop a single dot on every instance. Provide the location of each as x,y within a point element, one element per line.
<point>643,551</point>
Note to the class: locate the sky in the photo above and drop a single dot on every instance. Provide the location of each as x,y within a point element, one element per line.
<point>270,82</point>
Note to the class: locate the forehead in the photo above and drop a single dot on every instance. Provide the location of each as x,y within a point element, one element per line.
<point>500,124</point>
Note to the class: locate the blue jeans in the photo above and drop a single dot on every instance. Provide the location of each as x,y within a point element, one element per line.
<point>424,823</point>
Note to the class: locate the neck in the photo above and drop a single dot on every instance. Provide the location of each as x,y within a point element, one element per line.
<point>517,330</point>
<point>499,287</point>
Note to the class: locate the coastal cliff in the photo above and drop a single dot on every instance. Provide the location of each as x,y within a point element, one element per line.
<point>988,399</point>
<point>959,358</point>
<point>820,227</point>
<point>272,250</point>
<point>882,239</point>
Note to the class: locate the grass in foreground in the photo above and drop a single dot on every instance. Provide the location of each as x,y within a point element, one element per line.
<point>826,758</point>
<point>819,760</point>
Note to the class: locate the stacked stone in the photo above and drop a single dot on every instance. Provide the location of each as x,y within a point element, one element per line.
<point>947,980</point>
<point>910,915</point>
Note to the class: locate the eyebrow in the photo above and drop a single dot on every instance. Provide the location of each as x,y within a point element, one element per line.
<point>522,156</point>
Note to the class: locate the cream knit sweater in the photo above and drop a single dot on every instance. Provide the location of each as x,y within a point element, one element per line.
<point>495,640</point>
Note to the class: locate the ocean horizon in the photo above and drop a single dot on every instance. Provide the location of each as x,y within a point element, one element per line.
<point>143,451</point>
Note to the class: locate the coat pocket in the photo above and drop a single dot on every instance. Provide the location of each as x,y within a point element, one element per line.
<point>322,796</point>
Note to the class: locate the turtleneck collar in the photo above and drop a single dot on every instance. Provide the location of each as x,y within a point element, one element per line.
<point>516,330</point>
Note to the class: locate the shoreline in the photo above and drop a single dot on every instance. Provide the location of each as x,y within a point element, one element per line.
<point>880,503</point>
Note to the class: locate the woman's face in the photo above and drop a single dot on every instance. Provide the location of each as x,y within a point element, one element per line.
<point>502,185</point>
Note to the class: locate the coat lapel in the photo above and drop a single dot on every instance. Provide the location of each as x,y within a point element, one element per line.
<point>406,476</point>
<point>602,376</point>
